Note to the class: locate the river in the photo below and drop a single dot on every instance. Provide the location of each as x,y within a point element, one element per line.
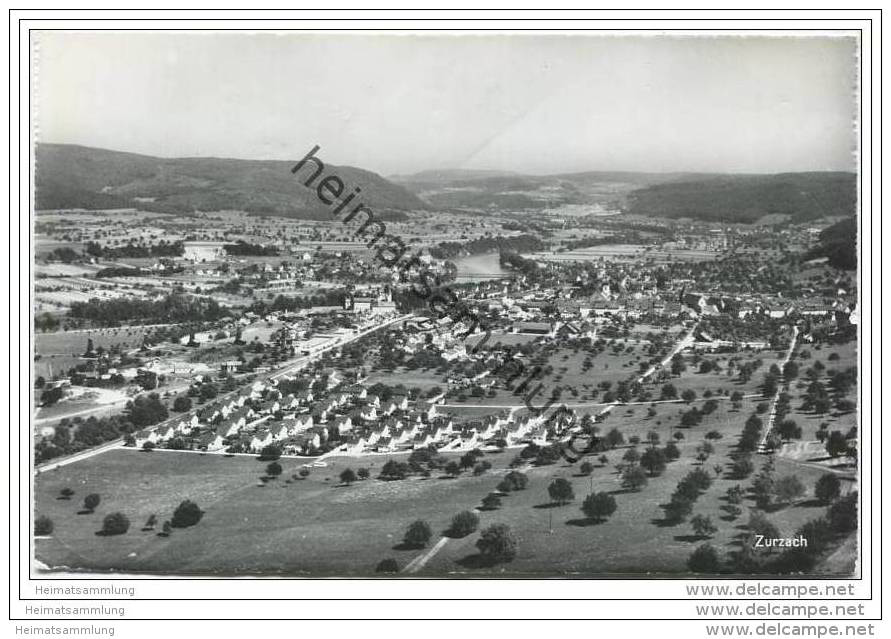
<point>478,268</point>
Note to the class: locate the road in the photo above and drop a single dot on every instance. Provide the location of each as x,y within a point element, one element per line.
<point>40,421</point>
<point>596,404</point>
<point>803,452</point>
<point>685,342</point>
<point>296,365</point>
<point>421,560</point>
<point>776,396</point>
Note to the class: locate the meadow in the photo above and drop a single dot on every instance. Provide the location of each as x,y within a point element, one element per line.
<point>319,527</point>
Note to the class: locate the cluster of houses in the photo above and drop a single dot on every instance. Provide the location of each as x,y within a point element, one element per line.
<point>343,418</point>
<point>605,305</point>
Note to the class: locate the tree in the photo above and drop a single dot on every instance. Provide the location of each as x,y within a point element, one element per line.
<point>586,468</point>
<point>742,467</point>
<point>614,438</point>
<point>182,404</point>
<point>482,467</point>
<point>207,392</point>
<point>653,459</point>
<point>150,523</point>
<point>733,511</point>
<point>467,460</point>
<point>348,476</point>
<point>492,501</point>
<point>735,494</point>
<point>603,459</point>
<point>763,489</point>
<point>679,508</point>
<point>788,429</point>
<point>497,543</point>
<point>453,469</point>
<point>671,451</point>
<point>464,523</point>
<point>394,470</point>
<point>827,489</point>
<point>845,406</point>
<point>363,473</point>
<point>304,472</point>
<point>560,491</point>
<point>634,478</point>
<point>704,560</point>
<point>752,557</point>
<point>691,417</point>
<point>43,526</point>
<point>146,410</point>
<point>387,565</point>
<point>787,489</point>
<point>417,534</point>
<point>703,526</point>
<point>115,524</point>
<point>631,456</point>
<point>688,395</point>
<point>514,480</point>
<point>51,395</point>
<point>186,514</point>
<point>677,365</point>
<point>836,444</point>
<point>599,506</point>
<point>270,452</point>
<point>842,514</point>
<point>273,469</point>
<point>706,366</point>
<point>166,529</point>
<point>91,501</point>
<point>66,493</point>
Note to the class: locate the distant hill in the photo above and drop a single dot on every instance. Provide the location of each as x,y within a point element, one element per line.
<point>505,191</point>
<point>439,176</point>
<point>746,198</point>
<point>706,196</point>
<point>69,176</point>
<point>838,243</point>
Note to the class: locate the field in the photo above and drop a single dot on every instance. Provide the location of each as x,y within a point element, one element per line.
<point>318,527</point>
<point>62,350</point>
<point>809,422</point>
<point>507,339</point>
<point>626,251</point>
<point>424,380</point>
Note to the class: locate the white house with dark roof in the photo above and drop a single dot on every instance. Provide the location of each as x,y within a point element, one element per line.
<point>261,439</point>
<point>210,442</point>
<point>145,436</point>
<point>343,424</point>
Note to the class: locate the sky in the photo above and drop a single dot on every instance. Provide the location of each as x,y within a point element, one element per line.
<point>403,103</point>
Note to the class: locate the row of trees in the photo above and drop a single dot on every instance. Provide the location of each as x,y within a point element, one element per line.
<point>77,434</point>
<point>496,544</point>
<point>819,536</point>
<point>688,490</point>
<point>176,308</point>
<point>117,523</point>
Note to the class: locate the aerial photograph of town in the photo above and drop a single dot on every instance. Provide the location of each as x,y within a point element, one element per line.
<point>445,306</point>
